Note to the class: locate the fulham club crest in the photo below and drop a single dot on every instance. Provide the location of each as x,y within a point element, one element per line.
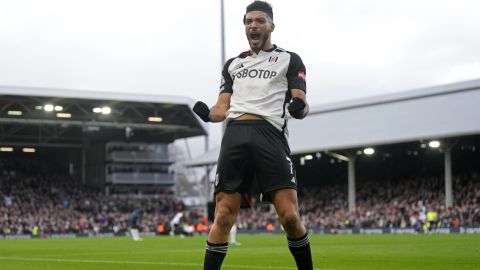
<point>273,59</point>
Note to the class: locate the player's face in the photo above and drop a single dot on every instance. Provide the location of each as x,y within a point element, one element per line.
<point>258,27</point>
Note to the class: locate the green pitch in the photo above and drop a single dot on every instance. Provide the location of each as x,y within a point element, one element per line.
<point>332,252</point>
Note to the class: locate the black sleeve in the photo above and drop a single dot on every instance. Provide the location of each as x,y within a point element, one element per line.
<point>227,81</point>
<point>296,73</point>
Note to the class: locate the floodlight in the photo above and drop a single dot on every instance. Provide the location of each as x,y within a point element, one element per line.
<point>368,151</point>
<point>106,110</point>
<point>29,150</point>
<point>64,115</point>
<point>6,149</point>
<point>48,108</point>
<point>155,119</point>
<point>434,144</point>
<point>15,113</point>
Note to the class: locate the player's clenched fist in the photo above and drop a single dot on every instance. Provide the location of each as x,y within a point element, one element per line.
<point>202,110</point>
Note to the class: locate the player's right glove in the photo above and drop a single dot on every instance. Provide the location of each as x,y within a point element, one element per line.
<point>202,110</point>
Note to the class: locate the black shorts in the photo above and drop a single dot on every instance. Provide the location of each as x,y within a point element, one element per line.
<point>254,158</point>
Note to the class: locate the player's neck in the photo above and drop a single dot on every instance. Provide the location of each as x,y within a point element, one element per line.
<point>267,47</point>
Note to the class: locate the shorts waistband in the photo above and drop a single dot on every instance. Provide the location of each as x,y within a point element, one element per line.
<point>248,122</point>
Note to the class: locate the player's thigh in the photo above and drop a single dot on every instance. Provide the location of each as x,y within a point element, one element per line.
<point>271,158</point>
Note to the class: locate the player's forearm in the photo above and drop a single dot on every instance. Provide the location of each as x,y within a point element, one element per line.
<point>218,112</point>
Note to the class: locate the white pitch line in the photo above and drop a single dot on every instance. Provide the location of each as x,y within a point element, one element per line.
<point>139,262</point>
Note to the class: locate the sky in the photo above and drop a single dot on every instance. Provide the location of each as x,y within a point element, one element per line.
<point>351,48</point>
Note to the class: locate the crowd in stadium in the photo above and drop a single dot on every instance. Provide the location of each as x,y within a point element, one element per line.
<point>32,197</point>
<point>52,204</point>
<point>405,203</point>
<point>56,207</point>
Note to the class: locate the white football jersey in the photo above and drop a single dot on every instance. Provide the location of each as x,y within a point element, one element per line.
<point>260,84</point>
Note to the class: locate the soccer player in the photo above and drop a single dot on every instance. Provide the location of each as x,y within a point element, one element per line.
<point>233,236</point>
<point>134,219</point>
<point>258,87</point>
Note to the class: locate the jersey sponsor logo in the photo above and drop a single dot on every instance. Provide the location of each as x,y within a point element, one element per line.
<point>301,75</point>
<point>255,73</point>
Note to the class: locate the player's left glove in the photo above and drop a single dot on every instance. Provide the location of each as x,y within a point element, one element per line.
<point>296,108</point>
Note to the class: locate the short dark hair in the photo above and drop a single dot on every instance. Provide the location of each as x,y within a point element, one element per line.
<point>260,6</point>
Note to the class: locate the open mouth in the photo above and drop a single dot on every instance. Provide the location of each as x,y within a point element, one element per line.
<point>254,36</point>
<point>255,39</point>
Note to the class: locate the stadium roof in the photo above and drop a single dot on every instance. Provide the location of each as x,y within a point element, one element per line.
<point>438,112</point>
<point>71,121</point>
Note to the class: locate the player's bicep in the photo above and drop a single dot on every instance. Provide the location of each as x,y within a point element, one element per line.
<point>296,73</point>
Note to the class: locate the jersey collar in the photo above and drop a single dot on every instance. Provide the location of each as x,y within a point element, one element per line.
<point>267,51</point>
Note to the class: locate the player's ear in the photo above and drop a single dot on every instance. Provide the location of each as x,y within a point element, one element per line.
<point>273,26</point>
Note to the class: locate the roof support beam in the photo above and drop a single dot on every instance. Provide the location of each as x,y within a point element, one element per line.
<point>96,124</point>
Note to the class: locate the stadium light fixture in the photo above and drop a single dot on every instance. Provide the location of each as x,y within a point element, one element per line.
<point>39,108</point>
<point>308,157</point>
<point>106,110</point>
<point>97,110</point>
<point>58,108</point>
<point>15,113</point>
<point>48,108</point>
<point>368,151</point>
<point>155,119</point>
<point>434,144</point>
<point>6,149</point>
<point>29,150</point>
<point>64,115</point>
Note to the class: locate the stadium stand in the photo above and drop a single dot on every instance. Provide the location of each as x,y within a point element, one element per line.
<point>33,194</point>
<point>389,204</point>
<point>56,205</point>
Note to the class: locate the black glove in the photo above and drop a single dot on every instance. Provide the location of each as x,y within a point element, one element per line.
<point>296,107</point>
<point>202,110</point>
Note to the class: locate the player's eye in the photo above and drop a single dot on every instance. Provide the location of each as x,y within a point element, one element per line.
<point>261,21</point>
